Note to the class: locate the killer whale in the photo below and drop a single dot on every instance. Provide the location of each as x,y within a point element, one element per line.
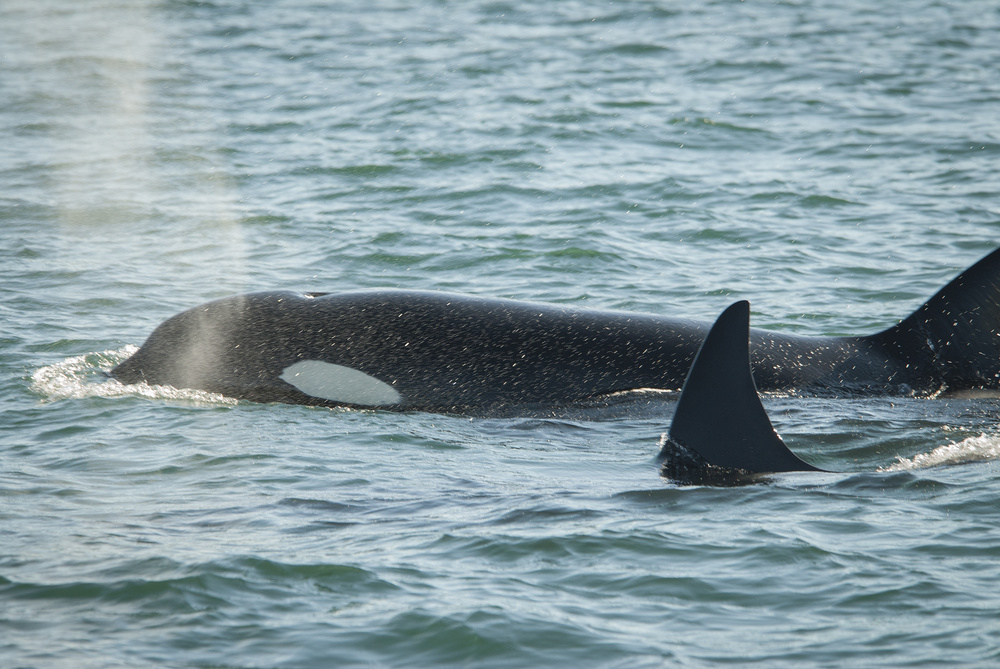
<point>415,350</point>
<point>720,433</point>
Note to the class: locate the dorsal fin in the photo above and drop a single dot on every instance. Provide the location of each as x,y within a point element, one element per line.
<point>719,418</point>
<point>955,335</point>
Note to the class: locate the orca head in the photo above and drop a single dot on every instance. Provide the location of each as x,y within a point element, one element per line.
<point>194,349</point>
<point>264,347</point>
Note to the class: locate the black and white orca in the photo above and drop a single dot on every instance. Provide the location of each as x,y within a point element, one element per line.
<point>429,351</point>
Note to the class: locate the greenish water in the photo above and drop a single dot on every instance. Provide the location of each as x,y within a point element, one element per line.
<point>833,164</point>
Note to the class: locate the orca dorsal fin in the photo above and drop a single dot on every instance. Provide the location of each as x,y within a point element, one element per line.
<point>955,335</point>
<point>721,432</point>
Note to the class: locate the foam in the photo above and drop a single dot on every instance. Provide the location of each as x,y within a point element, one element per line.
<point>972,449</point>
<point>84,376</point>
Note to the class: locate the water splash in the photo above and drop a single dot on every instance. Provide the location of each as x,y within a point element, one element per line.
<point>972,449</point>
<point>85,376</point>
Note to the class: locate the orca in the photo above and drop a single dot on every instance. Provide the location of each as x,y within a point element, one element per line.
<point>431,351</point>
<point>720,433</point>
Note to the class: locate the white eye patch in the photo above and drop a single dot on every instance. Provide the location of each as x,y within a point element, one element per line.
<point>339,384</point>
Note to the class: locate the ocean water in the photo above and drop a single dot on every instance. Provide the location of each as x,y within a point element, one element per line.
<point>835,164</point>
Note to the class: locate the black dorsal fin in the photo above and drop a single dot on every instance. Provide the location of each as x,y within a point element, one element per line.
<point>955,335</point>
<point>720,429</point>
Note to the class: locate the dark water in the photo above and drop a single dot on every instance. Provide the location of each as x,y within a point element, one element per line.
<point>833,163</point>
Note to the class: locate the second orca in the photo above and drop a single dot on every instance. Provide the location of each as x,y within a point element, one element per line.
<point>429,351</point>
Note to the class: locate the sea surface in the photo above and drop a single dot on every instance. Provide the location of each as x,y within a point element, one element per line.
<point>833,163</point>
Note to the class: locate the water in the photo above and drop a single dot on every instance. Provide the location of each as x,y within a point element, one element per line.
<point>834,164</point>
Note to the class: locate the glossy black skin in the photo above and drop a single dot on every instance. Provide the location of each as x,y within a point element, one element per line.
<point>721,433</point>
<point>456,353</point>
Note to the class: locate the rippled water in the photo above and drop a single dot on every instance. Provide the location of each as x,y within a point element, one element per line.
<point>833,163</point>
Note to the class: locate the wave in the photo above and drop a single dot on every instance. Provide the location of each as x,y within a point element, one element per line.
<point>84,376</point>
<point>973,449</point>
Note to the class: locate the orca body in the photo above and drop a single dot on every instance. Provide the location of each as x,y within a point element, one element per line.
<point>429,351</point>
